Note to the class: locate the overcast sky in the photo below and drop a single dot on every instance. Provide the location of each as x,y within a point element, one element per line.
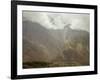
<point>59,20</point>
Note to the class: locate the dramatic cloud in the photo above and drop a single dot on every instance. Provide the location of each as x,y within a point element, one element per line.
<point>59,20</point>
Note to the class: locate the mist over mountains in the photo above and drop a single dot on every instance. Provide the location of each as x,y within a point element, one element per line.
<point>54,47</point>
<point>57,20</point>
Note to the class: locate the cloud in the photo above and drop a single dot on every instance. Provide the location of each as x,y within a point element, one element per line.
<point>58,20</point>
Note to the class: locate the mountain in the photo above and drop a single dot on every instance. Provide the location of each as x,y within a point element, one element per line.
<point>76,46</point>
<point>77,35</point>
<point>54,47</point>
<point>39,44</point>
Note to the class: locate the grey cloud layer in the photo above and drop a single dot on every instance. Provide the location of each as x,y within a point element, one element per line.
<point>59,20</point>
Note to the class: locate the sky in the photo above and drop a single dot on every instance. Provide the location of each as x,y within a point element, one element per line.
<point>52,20</point>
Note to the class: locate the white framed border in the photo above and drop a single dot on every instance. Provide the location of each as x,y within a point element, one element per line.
<point>21,71</point>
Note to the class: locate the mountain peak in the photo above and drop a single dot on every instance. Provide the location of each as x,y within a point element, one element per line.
<point>67,27</point>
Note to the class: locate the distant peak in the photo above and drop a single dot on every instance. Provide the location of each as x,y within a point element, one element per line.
<point>67,27</point>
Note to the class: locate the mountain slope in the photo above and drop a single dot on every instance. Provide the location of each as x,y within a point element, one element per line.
<point>59,47</point>
<point>39,36</point>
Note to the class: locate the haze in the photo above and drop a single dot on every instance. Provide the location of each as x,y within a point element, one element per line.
<point>53,20</point>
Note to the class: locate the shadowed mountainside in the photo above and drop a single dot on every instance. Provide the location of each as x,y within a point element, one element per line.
<point>36,36</point>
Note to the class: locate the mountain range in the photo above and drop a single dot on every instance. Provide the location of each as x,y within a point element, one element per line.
<point>55,46</point>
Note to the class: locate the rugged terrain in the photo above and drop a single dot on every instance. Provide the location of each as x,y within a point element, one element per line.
<point>44,47</point>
